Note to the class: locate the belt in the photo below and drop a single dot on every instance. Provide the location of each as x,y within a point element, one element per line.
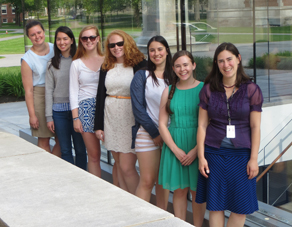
<point>120,97</point>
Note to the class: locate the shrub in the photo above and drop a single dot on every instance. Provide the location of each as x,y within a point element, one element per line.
<point>285,53</point>
<point>10,82</point>
<point>260,63</point>
<point>285,64</point>
<point>204,66</point>
<point>281,60</point>
<point>14,85</point>
<point>2,85</point>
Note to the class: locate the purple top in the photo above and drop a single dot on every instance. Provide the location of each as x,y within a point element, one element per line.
<point>246,99</point>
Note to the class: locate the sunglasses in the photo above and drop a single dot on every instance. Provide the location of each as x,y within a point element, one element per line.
<point>119,44</point>
<point>85,38</point>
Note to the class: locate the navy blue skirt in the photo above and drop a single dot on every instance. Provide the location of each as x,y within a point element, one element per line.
<point>228,186</point>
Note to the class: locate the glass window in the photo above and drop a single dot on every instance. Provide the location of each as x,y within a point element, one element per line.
<point>13,10</point>
<point>4,20</point>
<point>4,9</point>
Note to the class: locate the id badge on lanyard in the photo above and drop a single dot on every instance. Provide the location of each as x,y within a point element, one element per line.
<point>230,129</point>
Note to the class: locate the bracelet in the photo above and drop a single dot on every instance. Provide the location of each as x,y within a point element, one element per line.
<point>74,119</point>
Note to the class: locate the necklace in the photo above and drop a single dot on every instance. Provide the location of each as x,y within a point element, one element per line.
<point>228,86</point>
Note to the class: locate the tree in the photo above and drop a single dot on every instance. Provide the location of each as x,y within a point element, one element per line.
<point>137,7</point>
<point>0,13</point>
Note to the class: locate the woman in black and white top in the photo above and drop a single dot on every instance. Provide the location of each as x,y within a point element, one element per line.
<point>146,90</point>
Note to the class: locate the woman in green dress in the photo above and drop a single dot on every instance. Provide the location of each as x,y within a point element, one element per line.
<point>179,163</point>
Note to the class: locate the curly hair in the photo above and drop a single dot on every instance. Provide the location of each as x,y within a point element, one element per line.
<point>80,49</point>
<point>132,56</point>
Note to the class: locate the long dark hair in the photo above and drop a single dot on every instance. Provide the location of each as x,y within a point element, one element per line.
<point>167,74</point>
<point>215,76</point>
<point>57,57</point>
<point>175,77</point>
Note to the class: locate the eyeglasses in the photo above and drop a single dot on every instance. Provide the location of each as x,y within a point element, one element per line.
<point>119,44</point>
<point>85,38</point>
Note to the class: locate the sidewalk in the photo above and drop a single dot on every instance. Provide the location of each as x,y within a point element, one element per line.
<point>10,60</point>
<point>13,117</point>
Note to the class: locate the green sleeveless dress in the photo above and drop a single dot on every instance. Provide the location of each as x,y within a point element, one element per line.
<point>183,129</point>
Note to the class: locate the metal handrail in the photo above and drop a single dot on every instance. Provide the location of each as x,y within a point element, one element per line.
<point>276,135</point>
<point>271,165</point>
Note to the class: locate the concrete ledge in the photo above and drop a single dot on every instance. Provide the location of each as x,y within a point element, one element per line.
<point>39,189</point>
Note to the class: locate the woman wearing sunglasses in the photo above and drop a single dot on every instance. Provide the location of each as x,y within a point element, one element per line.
<point>84,78</point>
<point>114,117</point>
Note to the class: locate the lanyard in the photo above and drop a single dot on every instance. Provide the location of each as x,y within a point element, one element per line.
<point>228,109</point>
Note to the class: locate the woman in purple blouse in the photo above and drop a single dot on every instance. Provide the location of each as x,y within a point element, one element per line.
<point>228,139</point>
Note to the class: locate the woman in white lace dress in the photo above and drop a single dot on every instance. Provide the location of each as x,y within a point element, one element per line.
<point>114,117</point>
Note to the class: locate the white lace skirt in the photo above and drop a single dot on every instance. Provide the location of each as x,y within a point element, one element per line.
<point>118,122</point>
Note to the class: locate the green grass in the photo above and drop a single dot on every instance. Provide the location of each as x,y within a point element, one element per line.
<point>12,70</point>
<point>10,26</point>
<point>14,46</point>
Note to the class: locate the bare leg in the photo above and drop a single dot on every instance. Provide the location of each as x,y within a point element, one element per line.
<point>148,164</point>
<point>115,175</point>
<point>162,194</point>
<point>57,149</point>
<point>180,203</point>
<point>119,176</point>
<point>44,143</point>
<point>198,211</point>
<point>236,220</point>
<point>93,151</point>
<point>216,218</point>
<point>129,172</point>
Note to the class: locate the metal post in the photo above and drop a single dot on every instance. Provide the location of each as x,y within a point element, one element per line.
<point>269,77</point>
<point>183,25</point>
<point>254,43</point>
<point>49,19</point>
<point>23,23</point>
<point>176,26</point>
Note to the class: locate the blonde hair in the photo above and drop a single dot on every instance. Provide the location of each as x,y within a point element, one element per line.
<point>132,56</point>
<point>80,49</point>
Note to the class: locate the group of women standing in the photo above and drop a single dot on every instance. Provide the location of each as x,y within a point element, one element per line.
<point>186,135</point>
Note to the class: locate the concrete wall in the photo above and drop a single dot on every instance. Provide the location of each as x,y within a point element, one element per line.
<point>238,13</point>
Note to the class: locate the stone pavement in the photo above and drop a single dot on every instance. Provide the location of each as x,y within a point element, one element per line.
<point>13,117</point>
<point>10,60</point>
<point>40,189</point>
